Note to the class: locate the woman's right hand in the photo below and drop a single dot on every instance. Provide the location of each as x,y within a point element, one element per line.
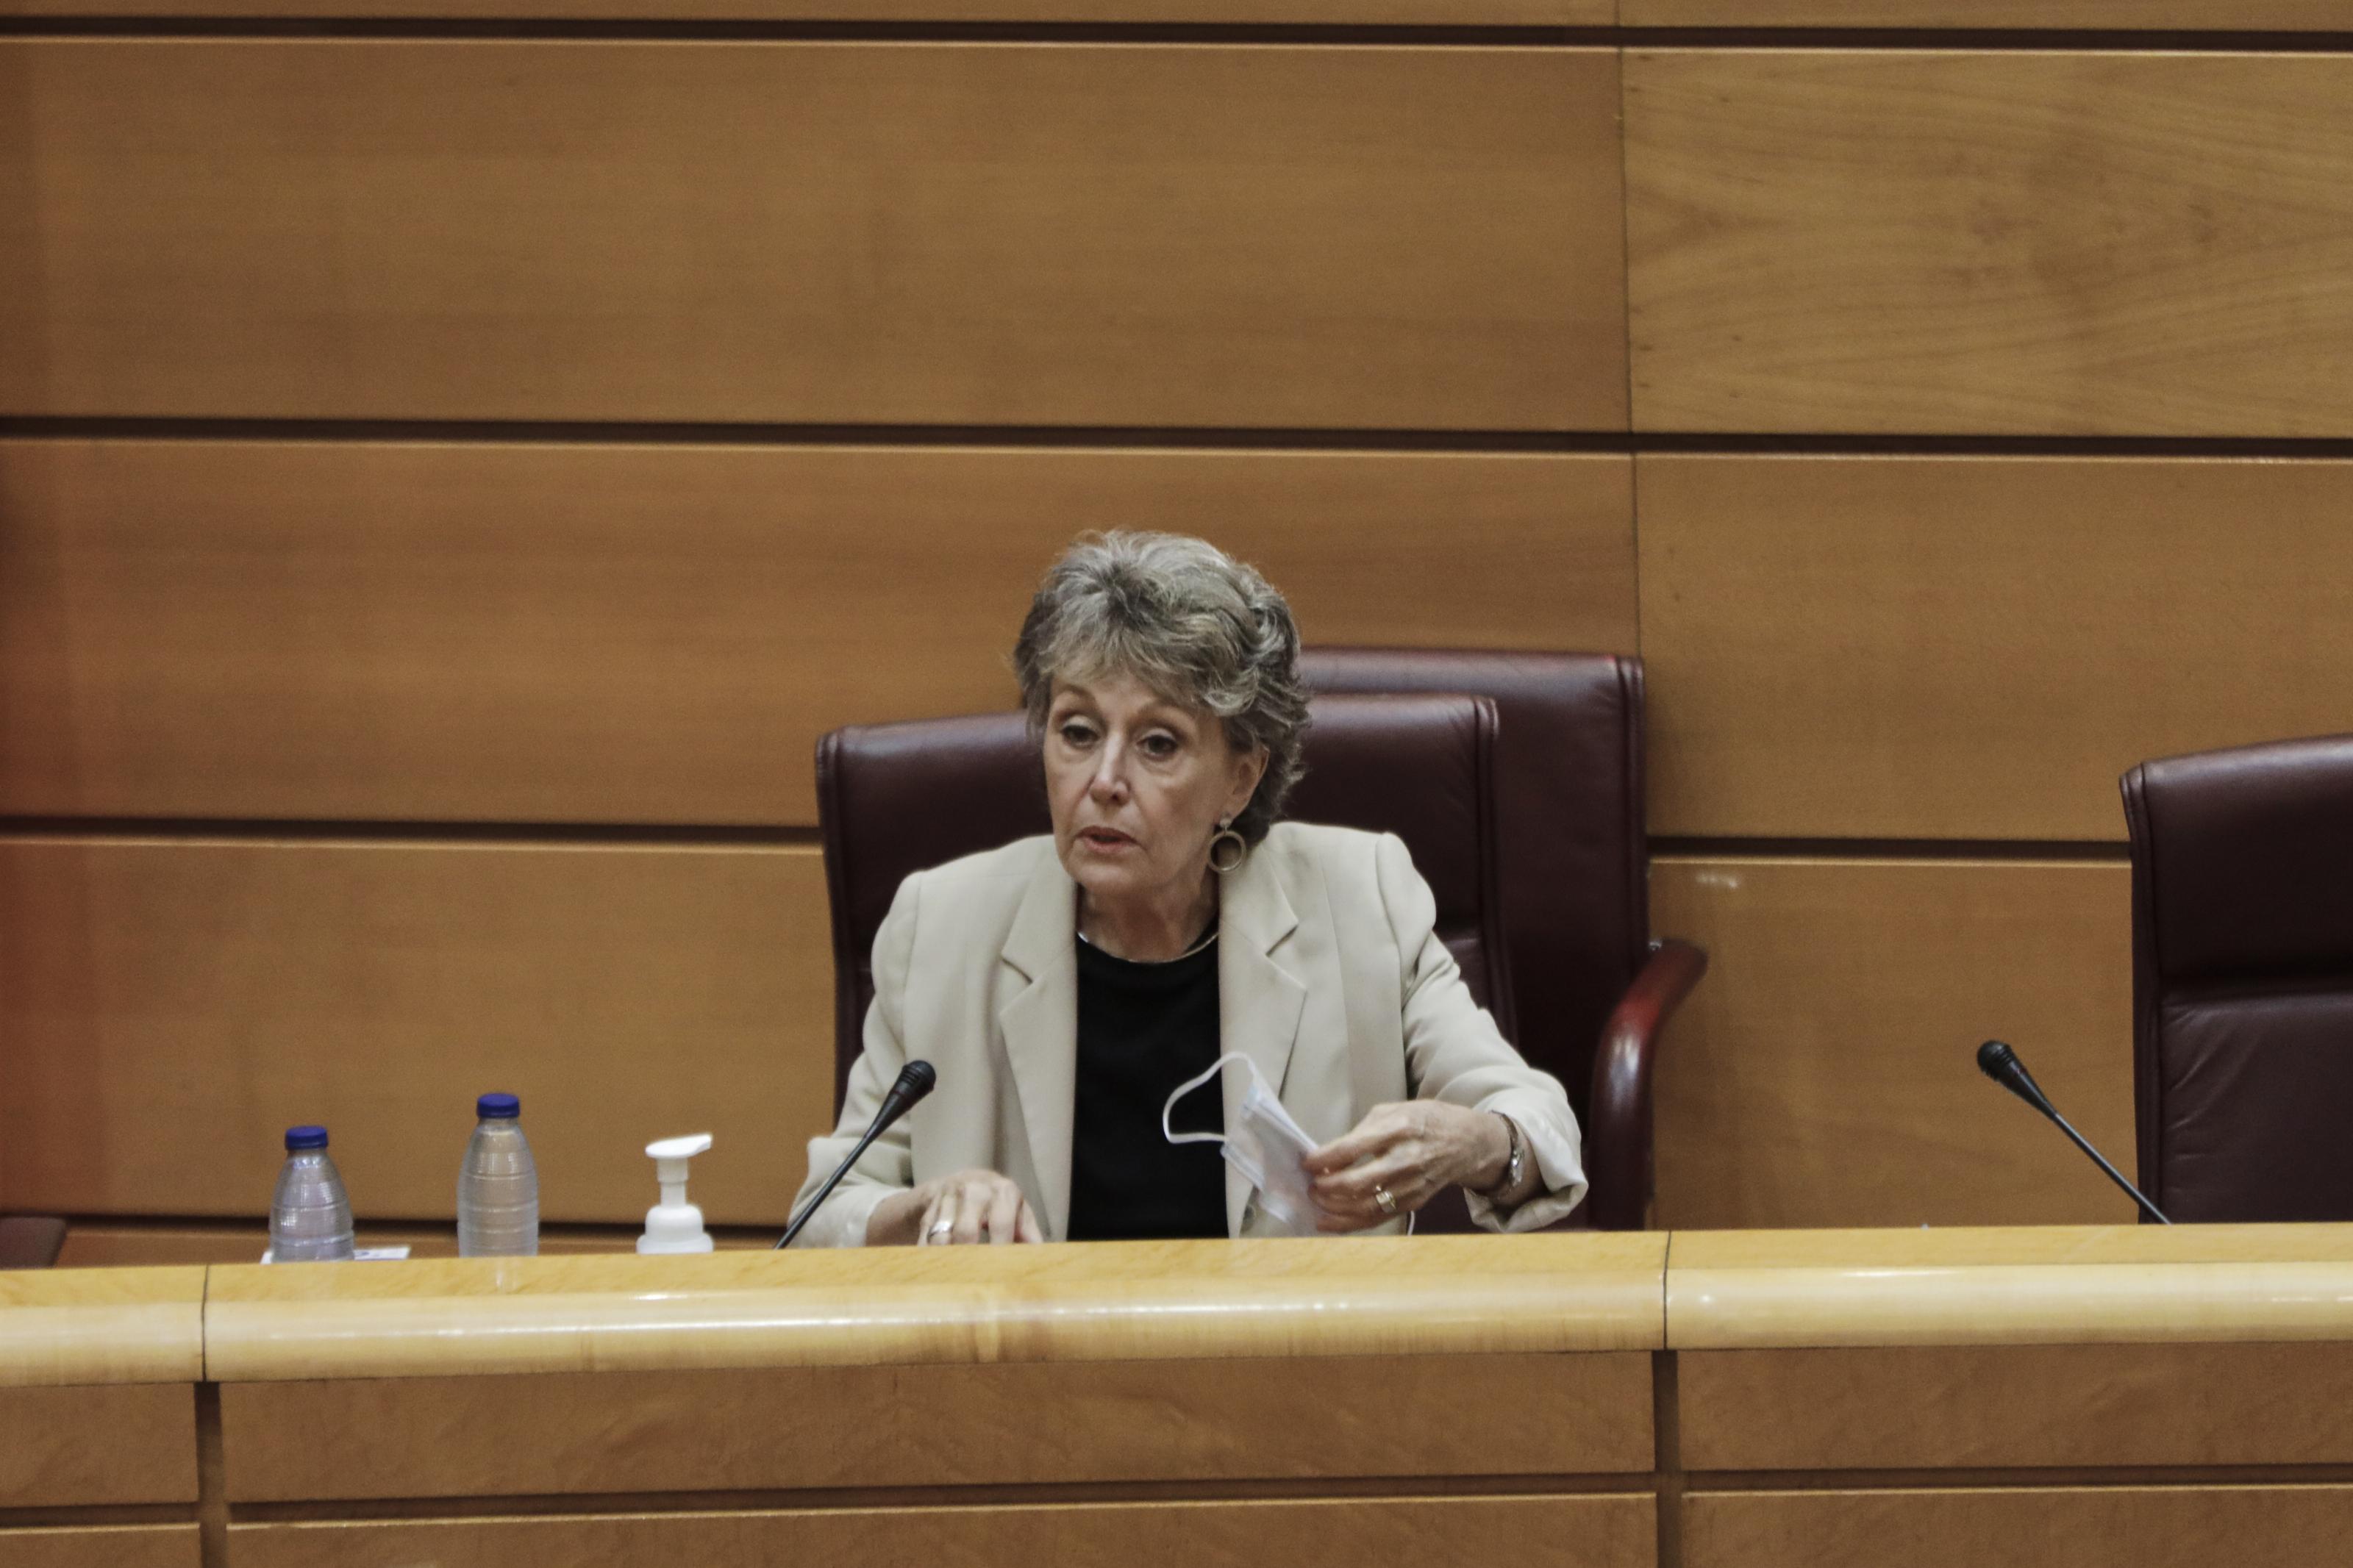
<point>967,1207</point>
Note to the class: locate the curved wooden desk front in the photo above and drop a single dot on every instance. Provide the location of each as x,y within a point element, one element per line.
<point>99,1370</point>
<point>1755,1400</point>
<point>2133,1396</point>
<point>999,1405</point>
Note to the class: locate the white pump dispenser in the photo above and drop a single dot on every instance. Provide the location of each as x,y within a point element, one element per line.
<point>674,1224</point>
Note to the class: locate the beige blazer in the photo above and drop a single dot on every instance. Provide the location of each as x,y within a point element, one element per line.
<point>1330,977</point>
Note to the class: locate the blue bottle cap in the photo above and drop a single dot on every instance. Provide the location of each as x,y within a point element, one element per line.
<point>306,1137</point>
<point>496,1107</point>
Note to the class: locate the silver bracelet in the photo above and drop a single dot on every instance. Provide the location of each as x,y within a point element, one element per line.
<point>1516,1163</point>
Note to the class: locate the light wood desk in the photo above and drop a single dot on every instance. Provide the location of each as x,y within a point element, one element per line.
<point>1715,1400</point>
<point>2130,1397</point>
<point>99,1376</point>
<point>1201,1401</point>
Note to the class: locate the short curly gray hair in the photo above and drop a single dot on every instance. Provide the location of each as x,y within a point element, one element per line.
<point>1190,622</point>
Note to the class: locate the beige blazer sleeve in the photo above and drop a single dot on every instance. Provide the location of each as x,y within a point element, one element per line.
<point>888,1164</point>
<point>1455,1053</point>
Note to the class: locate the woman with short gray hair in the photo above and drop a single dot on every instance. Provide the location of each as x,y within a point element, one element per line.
<point>1074,990</point>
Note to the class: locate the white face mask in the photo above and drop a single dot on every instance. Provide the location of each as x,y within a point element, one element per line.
<point>1263,1143</point>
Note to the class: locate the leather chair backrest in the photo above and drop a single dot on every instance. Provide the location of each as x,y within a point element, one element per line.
<point>1568,813</point>
<point>2243,980</point>
<point>896,798</point>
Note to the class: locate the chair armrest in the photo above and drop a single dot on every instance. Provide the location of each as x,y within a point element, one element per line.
<point>1618,1144</point>
<point>30,1241</point>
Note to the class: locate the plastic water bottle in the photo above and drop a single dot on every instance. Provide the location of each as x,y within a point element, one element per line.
<point>497,1186</point>
<point>310,1217</point>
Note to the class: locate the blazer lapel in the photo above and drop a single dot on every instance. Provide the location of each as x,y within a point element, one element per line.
<point>1039,1025</point>
<point>1259,1001</point>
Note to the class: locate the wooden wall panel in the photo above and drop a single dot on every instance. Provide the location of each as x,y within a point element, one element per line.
<point>87,1446</point>
<point>2016,1405</point>
<point>2051,244</point>
<point>2116,1527</point>
<point>1824,1072</point>
<point>1096,234</point>
<point>102,1546</point>
<point>2186,16</point>
<point>1567,1531</point>
<point>1272,13</point>
<point>1976,647</point>
<point>170,1007</point>
<point>660,634</point>
<point>106,1244</point>
<point>1403,1417</point>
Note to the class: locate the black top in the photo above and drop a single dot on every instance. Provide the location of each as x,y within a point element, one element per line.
<point>1143,1028</point>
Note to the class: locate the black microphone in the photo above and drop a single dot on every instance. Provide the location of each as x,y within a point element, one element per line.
<point>915,1080</point>
<point>1999,1063</point>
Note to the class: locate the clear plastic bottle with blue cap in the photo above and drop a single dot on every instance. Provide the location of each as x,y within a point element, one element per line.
<point>310,1217</point>
<point>497,1186</point>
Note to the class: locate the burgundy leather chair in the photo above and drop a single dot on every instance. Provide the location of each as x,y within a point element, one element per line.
<point>1527,823</point>
<point>30,1241</point>
<point>2243,980</point>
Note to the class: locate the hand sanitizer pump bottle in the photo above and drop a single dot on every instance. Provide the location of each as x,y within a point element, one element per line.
<point>674,1224</point>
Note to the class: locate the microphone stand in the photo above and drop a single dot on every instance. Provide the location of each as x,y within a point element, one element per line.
<point>2100,1159</point>
<point>915,1080</point>
<point>1999,1062</point>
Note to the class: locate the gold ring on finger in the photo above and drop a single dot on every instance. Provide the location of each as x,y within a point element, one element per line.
<point>1381,1196</point>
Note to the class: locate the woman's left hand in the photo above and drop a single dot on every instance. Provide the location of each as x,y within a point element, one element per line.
<point>1411,1151</point>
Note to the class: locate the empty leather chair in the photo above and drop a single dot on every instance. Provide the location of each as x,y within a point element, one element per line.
<point>2243,980</point>
<point>1527,824</point>
<point>30,1241</point>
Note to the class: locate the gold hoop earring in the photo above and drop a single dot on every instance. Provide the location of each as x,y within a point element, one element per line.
<point>1228,839</point>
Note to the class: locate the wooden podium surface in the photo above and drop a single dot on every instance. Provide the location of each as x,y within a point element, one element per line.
<point>1715,1400</point>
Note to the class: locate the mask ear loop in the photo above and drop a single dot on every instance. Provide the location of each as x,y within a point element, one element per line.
<point>1188,1087</point>
<point>1196,1081</point>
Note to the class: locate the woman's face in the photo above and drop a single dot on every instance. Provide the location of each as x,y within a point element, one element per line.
<point>1137,785</point>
